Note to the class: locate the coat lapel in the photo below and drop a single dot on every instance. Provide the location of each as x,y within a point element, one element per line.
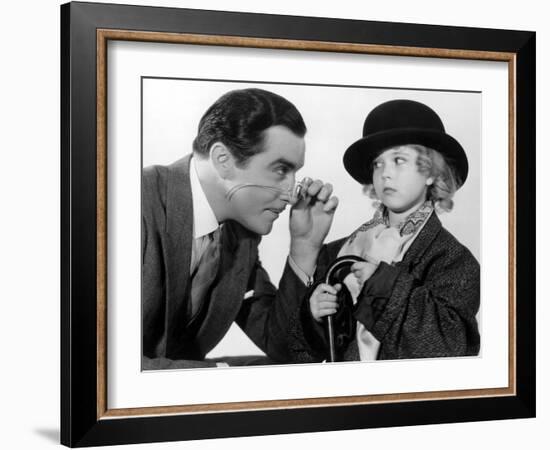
<point>179,235</point>
<point>423,240</point>
<point>238,253</point>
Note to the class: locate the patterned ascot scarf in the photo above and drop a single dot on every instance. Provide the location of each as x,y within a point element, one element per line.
<point>359,243</point>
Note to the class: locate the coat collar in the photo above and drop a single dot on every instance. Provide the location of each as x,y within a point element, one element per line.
<point>179,207</point>
<point>179,202</point>
<point>422,242</point>
<point>177,250</point>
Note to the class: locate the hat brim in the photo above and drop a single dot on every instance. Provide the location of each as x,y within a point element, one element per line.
<point>359,156</point>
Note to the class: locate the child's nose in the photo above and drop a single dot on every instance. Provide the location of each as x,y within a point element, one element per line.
<point>387,171</point>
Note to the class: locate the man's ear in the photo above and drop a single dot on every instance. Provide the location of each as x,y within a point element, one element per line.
<point>222,160</point>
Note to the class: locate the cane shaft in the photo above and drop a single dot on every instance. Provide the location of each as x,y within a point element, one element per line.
<point>332,350</point>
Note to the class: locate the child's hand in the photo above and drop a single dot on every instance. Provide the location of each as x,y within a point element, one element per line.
<point>323,301</point>
<point>363,271</point>
<point>387,244</point>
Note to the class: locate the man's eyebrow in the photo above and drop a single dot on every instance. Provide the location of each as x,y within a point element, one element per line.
<point>284,161</point>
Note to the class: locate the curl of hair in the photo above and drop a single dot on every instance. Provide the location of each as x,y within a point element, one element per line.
<point>431,164</point>
<point>239,118</point>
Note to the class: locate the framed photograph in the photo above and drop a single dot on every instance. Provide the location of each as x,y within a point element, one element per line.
<point>278,224</point>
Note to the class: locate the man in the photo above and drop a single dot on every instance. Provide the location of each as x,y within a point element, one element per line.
<point>203,217</point>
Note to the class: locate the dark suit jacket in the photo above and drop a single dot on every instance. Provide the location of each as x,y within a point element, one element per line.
<point>422,307</point>
<point>170,338</point>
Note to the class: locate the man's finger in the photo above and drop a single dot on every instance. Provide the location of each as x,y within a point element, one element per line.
<point>314,188</point>
<point>301,194</point>
<point>325,192</point>
<point>331,205</point>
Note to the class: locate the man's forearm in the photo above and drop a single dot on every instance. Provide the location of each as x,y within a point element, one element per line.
<point>304,255</point>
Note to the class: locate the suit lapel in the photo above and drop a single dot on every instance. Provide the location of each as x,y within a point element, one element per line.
<point>179,235</point>
<point>237,255</point>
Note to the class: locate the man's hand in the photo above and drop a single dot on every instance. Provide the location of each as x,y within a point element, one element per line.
<point>310,220</point>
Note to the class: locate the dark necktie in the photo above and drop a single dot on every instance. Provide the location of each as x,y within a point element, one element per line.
<point>205,273</point>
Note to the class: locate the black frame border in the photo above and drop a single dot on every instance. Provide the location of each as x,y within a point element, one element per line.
<point>79,423</point>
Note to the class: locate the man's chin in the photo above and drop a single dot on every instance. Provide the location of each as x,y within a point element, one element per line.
<point>261,228</point>
<point>264,228</point>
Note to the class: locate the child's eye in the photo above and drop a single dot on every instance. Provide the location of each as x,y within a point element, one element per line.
<point>377,164</point>
<point>400,160</point>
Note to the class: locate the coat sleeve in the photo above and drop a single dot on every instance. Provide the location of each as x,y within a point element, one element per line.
<point>265,316</point>
<point>307,338</point>
<point>424,317</point>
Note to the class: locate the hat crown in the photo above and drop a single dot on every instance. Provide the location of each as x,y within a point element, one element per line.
<point>401,114</point>
<point>403,122</point>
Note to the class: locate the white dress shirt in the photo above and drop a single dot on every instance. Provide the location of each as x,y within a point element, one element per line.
<point>204,219</point>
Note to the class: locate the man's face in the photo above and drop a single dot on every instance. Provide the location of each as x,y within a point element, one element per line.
<point>396,179</point>
<point>257,208</point>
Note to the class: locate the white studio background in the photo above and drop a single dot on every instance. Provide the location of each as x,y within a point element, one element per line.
<point>30,225</point>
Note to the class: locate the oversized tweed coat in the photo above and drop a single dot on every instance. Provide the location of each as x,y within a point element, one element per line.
<point>422,307</point>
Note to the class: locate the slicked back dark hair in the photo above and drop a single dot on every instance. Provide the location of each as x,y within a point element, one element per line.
<point>239,118</point>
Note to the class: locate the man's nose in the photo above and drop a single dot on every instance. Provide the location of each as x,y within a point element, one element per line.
<point>287,187</point>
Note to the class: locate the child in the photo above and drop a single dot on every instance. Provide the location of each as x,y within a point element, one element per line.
<point>416,295</point>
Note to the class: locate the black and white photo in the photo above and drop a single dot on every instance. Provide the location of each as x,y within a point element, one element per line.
<point>251,153</point>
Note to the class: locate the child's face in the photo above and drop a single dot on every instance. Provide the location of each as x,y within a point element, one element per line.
<point>396,179</point>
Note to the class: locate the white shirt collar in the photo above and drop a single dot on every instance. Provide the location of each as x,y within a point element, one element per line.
<point>204,219</point>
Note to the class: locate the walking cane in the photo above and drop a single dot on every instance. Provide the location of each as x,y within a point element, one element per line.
<point>336,273</point>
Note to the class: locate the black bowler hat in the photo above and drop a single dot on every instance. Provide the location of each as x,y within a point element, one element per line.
<point>402,122</point>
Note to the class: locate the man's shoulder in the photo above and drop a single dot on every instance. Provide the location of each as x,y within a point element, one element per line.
<point>154,176</point>
<point>153,187</point>
<point>154,172</point>
<point>157,175</point>
<point>155,180</point>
